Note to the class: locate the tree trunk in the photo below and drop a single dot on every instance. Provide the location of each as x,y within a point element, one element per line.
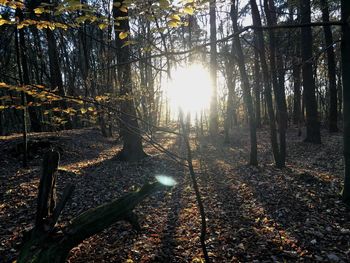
<point>268,90</point>
<point>257,84</point>
<point>34,120</point>
<point>277,76</point>
<point>213,120</point>
<point>332,84</point>
<point>345,54</point>
<point>245,87</point>
<point>129,127</point>
<point>312,124</point>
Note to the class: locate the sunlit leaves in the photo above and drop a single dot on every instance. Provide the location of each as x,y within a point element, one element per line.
<point>102,26</point>
<point>189,10</point>
<point>123,35</point>
<point>12,4</point>
<point>39,10</point>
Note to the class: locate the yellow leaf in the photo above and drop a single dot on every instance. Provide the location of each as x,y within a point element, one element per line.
<point>123,9</point>
<point>175,17</point>
<point>173,23</point>
<point>3,21</point>
<point>123,35</point>
<point>102,26</point>
<point>91,109</point>
<point>188,10</point>
<point>20,26</point>
<point>39,10</point>
<point>83,110</point>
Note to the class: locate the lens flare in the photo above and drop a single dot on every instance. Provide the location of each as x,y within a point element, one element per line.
<point>165,180</point>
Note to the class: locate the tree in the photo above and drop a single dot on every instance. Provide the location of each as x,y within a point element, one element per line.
<point>267,85</point>
<point>277,76</point>
<point>213,122</point>
<point>129,127</point>
<point>313,134</point>
<point>245,85</point>
<point>331,70</point>
<point>345,55</point>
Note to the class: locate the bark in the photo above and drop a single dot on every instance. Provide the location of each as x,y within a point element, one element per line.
<point>331,70</point>
<point>129,127</point>
<point>245,87</point>
<point>277,76</point>
<point>23,101</point>
<point>345,54</point>
<point>213,120</point>
<point>33,117</point>
<point>312,123</point>
<point>267,85</point>
<point>257,84</point>
<point>296,87</point>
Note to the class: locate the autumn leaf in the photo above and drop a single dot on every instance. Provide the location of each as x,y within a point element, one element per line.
<point>188,10</point>
<point>173,23</point>
<point>102,26</point>
<point>123,35</point>
<point>39,10</point>
<point>175,17</point>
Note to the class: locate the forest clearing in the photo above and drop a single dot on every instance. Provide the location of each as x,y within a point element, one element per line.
<point>174,131</point>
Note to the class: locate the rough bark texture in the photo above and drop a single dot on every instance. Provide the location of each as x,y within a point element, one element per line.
<point>129,127</point>
<point>312,124</point>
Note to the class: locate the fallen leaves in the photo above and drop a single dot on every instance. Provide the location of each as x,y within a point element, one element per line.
<point>254,214</point>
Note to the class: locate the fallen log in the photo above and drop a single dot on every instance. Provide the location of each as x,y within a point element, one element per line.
<point>45,243</point>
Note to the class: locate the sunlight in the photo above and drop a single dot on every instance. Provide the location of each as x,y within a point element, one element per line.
<point>165,180</point>
<point>189,89</point>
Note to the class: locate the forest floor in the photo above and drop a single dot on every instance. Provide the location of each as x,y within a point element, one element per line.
<point>254,214</point>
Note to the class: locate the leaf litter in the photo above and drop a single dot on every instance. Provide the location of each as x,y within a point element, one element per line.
<point>254,214</point>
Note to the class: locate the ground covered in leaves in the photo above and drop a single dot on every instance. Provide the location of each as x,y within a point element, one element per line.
<point>254,214</point>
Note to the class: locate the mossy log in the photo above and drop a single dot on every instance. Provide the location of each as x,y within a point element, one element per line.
<point>46,243</point>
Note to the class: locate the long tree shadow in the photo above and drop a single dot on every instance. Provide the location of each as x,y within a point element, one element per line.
<point>302,209</point>
<point>98,181</point>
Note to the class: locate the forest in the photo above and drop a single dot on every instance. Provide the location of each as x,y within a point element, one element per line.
<point>174,131</point>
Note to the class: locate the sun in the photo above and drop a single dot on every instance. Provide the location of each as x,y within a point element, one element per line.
<point>189,89</point>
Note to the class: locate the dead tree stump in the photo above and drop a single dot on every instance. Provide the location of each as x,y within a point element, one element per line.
<point>44,243</point>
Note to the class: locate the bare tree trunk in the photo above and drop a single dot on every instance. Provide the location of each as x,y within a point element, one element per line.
<point>257,84</point>
<point>332,84</point>
<point>130,131</point>
<point>245,87</point>
<point>277,76</point>
<point>312,123</point>
<point>213,122</point>
<point>267,85</point>
<point>345,54</point>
